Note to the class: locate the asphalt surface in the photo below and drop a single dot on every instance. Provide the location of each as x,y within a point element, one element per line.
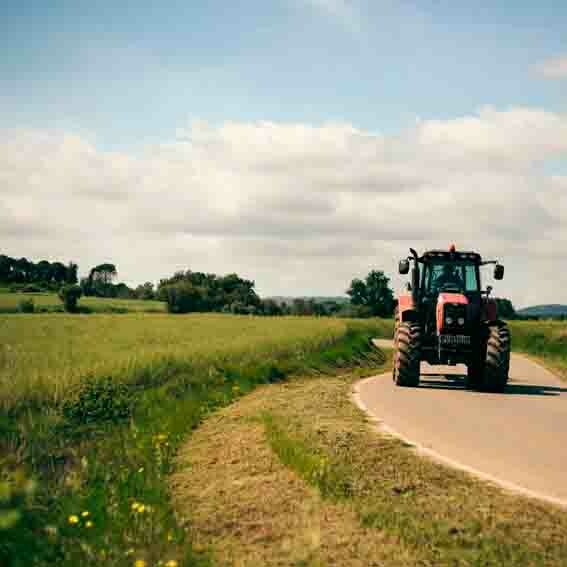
<point>517,438</point>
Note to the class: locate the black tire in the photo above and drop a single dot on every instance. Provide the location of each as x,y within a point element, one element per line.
<point>408,354</point>
<point>475,371</point>
<point>497,359</point>
<point>395,341</point>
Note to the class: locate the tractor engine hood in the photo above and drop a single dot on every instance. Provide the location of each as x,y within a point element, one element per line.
<point>458,301</point>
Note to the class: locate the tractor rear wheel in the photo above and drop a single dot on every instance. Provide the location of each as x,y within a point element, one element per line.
<point>408,354</point>
<point>475,366</point>
<point>475,371</point>
<point>497,360</point>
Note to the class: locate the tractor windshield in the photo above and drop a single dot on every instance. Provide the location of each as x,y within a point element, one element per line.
<point>461,277</point>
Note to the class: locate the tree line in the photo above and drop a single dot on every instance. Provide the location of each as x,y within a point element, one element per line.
<point>51,275</point>
<point>192,291</point>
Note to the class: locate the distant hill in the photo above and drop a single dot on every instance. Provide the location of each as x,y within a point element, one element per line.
<point>553,310</point>
<point>279,299</point>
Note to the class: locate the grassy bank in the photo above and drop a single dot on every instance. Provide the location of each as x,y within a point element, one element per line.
<point>100,452</point>
<point>365,498</point>
<point>50,303</point>
<point>545,340</point>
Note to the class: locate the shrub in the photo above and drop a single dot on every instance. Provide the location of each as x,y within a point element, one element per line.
<point>69,295</point>
<point>183,297</point>
<point>99,399</point>
<point>26,306</point>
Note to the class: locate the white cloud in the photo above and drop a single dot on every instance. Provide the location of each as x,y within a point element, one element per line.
<point>298,208</point>
<point>343,11</point>
<point>553,68</point>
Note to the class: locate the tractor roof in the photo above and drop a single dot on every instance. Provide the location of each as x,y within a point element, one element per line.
<point>456,255</point>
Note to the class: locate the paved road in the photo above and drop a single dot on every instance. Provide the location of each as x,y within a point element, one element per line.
<point>518,437</point>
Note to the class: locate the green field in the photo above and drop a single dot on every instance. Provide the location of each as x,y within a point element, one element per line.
<point>42,355</point>
<point>545,340</point>
<point>51,303</point>
<point>94,407</point>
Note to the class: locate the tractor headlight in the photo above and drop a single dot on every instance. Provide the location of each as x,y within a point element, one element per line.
<point>449,320</point>
<point>461,321</point>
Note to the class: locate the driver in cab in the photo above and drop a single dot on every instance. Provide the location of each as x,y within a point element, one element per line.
<point>449,278</point>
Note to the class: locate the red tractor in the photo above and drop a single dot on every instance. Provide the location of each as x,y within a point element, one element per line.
<point>446,318</point>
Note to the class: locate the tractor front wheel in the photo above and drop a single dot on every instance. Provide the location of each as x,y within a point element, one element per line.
<point>408,354</point>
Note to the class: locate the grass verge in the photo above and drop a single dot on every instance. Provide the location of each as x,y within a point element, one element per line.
<point>421,512</point>
<point>101,466</point>
<point>544,340</point>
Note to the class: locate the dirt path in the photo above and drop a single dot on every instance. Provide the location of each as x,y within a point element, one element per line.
<point>518,438</point>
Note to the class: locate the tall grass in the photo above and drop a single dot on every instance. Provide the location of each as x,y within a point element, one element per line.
<point>105,446</point>
<point>42,356</point>
<point>546,340</point>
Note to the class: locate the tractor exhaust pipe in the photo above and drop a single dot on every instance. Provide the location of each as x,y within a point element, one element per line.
<point>415,277</point>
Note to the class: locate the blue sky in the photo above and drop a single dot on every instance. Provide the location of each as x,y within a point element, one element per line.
<point>134,70</point>
<point>296,142</point>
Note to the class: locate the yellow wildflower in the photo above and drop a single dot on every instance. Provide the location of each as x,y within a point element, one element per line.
<point>85,514</point>
<point>140,563</point>
<point>169,536</point>
<point>89,524</point>
<point>135,505</point>
<point>141,509</point>
<point>73,519</point>
<point>171,563</point>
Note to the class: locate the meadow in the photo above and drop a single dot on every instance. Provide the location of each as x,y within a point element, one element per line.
<point>50,303</point>
<point>93,407</point>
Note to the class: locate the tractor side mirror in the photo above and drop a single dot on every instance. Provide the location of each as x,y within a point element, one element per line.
<point>498,272</point>
<point>403,266</point>
<point>488,290</point>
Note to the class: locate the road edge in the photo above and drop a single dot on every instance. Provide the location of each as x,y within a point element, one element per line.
<point>381,427</point>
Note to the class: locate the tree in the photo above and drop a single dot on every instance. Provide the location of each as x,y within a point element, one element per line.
<point>69,295</point>
<point>217,293</point>
<point>6,266</point>
<point>100,279</point>
<point>357,292</point>
<point>505,309</point>
<point>42,271</point>
<point>22,270</point>
<point>270,307</point>
<point>72,275</point>
<point>374,293</point>
<point>145,291</point>
<point>122,291</point>
<point>184,297</point>
<point>58,272</point>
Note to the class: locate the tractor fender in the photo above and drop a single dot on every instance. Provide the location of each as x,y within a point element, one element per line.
<point>406,308</point>
<point>489,311</point>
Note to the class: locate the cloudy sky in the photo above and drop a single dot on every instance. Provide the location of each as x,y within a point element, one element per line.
<point>299,143</point>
